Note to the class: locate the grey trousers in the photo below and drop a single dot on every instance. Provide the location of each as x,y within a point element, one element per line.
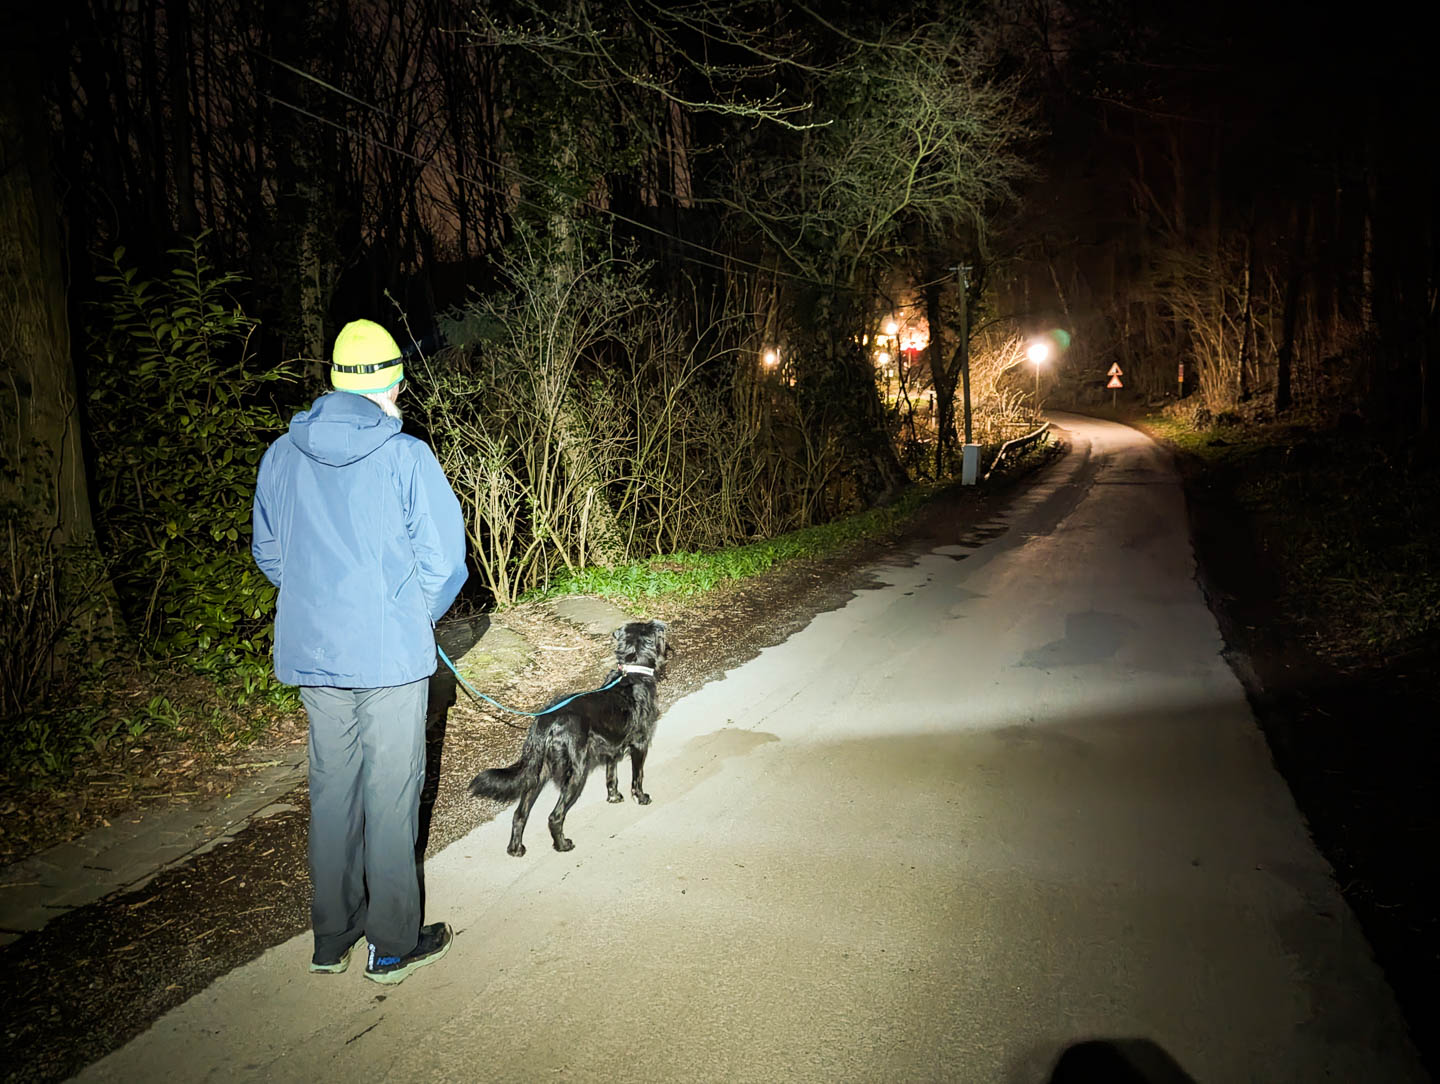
<point>367,765</point>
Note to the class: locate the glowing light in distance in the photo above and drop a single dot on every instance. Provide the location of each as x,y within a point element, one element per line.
<point>1038,351</point>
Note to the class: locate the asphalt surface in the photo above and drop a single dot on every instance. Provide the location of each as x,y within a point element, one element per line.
<point>1008,801</point>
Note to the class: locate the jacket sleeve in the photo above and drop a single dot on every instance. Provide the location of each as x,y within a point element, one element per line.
<point>437,531</point>
<point>264,545</point>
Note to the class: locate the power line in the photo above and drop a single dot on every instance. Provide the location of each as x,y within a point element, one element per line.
<point>730,258</point>
<point>427,164</point>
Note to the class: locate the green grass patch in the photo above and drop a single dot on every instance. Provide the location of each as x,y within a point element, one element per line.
<point>1216,445</point>
<point>680,575</point>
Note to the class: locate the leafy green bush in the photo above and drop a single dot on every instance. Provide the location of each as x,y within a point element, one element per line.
<point>180,415</point>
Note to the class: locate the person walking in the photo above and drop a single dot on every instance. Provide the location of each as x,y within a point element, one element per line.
<point>358,528</point>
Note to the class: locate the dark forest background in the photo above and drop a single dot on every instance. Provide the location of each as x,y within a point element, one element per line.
<point>589,225</point>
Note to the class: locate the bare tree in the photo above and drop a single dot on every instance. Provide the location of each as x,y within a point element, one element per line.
<point>919,146</point>
<point>44,496</point>
<point>502,409</point>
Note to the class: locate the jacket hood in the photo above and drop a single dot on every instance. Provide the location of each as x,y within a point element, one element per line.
<point>341,428</point>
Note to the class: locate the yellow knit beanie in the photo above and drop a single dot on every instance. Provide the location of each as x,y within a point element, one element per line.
<point>365,359</point>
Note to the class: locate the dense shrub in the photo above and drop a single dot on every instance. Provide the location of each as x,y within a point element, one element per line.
<point>179,416</point>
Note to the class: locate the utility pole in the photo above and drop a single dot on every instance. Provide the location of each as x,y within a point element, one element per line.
<point>970,458</point>
<point>963,349</point>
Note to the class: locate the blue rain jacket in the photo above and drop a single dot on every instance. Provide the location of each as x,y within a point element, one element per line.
<point>357,526</point>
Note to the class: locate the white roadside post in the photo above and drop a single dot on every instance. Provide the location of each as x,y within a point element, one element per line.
<point>970,451</point>
<point>970,465</point>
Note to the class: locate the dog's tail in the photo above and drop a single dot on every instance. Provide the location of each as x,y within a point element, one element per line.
<point>507,784</point>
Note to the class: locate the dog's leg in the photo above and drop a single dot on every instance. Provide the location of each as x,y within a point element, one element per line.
<point>522,814</point>
<point>612,782</point>
<point>570,790</point>
<point>637,775</point>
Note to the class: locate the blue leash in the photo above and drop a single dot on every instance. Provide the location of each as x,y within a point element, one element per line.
<point>515,711</point>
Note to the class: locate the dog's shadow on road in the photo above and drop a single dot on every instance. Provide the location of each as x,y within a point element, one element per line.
<point>455,638</point>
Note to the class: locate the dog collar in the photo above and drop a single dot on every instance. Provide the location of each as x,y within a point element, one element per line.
<point>630,668</point>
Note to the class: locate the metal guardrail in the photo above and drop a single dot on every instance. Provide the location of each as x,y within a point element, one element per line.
<point>1014,446</point>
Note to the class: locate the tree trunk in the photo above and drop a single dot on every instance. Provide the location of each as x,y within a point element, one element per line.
<point>42,417</point>
<point>962,354</point>
<point>45,525</point>
<point>1247,316</point>
<point>304,221</point>
<point>941,376</point>
<point>182,149</point>
<point>1429,298</point>
<point>1059,290</point>
<point>1285,362</point>
<point>840,392</point>
<point>604,541</point>
<point>1367,239</point>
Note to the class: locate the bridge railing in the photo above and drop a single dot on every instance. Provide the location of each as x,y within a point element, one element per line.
<point>1010,447</point>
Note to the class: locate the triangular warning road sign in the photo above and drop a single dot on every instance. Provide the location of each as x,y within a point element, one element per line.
<point>1114,383</point>
<point>1114,370</point>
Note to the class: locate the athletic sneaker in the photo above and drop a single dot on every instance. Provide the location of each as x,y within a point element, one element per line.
<point>331,967</point>
<point>434,943</point>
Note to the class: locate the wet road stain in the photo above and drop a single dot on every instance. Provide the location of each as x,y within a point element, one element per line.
<point>1089,637</point>
<point>703,755</point>
<point>978,536</point>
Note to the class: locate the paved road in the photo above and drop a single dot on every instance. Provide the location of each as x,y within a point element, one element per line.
<point>1009,800</point>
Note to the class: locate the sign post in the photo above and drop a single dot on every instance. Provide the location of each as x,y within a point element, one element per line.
<point>1114,374</point>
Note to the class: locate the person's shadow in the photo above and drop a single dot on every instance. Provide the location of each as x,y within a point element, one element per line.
<point>1117,1061</point>
<point>454,638</point>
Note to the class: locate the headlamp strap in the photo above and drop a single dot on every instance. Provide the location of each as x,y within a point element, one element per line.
<point>366,369</point>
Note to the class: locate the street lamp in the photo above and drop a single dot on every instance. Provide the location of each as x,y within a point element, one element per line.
<point>771,357</point>
<point>1039,353</point>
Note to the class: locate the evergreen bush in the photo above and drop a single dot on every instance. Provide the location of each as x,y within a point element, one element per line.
<point>179,417</point>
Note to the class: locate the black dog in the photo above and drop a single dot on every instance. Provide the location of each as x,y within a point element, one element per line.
<point>602,725</point>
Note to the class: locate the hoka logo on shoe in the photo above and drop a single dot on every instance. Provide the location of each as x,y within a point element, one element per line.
<point>381,961</point>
